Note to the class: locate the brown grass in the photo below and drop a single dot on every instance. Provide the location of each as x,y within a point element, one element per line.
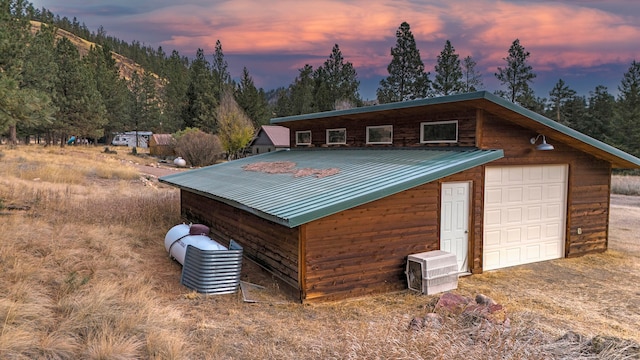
<point>85,275</point>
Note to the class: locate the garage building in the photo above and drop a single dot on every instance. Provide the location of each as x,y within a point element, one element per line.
<point>361,189</point>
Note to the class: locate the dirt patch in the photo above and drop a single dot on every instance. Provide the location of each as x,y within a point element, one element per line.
<point>158,170</point>
<point>289,167</point>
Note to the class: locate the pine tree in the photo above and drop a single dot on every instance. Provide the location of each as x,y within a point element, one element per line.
<point>516,75</point>
<point>176,73</point>
<point>301,92</point>
<point>145,109</point>
<point>336,81</point>
<point>600,111</point>
<point>559,96</point>
<point>575,112</point>
<point>40,69</point>
<point>407,79</point>
<point>200,104</point>
<point>627,111</point>
<point>39,74</point>
<point>252,100</point>
<point>14,36</point>
<point>15,98</point>
<point>220,72</point>
<point>112,88</point>
<point>283,106</point>
<point>534,103</point>
<point>81,111</point>
<point>471,79</point>
<point>448,77</point>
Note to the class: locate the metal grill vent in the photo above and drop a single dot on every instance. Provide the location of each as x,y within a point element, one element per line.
<point>432,272</point>
<point>212,271</point>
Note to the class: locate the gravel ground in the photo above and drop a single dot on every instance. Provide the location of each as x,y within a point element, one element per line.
<point>625,200</point>
<point>158,170</point>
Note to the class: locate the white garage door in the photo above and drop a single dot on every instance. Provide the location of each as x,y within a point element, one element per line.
<point>524,214</point>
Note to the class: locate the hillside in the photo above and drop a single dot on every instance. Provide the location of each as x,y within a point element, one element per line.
<point>125,65</point>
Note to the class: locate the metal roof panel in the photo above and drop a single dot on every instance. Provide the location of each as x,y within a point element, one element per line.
<point>357,176</point>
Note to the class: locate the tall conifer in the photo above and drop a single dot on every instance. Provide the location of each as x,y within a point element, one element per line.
<point>448,75</point>
<point>80,110</point>
<point>252,100</point>
<point>627,111</point>
<point>471,78</point>
<point>336,81</point>
<point>559,96</point>
<point>407,79</point>
<point>600,113</point>
<point>517,75</point>
<point>201,102</point>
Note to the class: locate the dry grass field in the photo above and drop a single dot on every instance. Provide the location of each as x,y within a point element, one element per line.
<point>85,276</point>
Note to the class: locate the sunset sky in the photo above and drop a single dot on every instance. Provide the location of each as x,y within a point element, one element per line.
<point>584,42</point>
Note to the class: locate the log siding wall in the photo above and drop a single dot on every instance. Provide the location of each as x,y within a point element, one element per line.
<point>589,181</point>
<point>363,250</point>
<point>406,130</point>
<point>271,245</point>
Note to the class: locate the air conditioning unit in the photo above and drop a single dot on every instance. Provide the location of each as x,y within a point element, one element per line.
<point>432,272</point>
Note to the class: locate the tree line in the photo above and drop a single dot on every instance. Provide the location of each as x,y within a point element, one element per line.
<point>614,120</point>
<point>48,88</point>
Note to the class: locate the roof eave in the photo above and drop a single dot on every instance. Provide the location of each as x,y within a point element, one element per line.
<point>235,204</point>
<point>382,107</point>
<point>618,158</point>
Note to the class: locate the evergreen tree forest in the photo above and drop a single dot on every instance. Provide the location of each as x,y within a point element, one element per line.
<point>50,91</point>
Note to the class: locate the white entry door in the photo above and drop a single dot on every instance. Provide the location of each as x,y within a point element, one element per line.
<point>454,222</point>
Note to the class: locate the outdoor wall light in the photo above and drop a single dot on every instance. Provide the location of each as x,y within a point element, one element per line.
<point>543,145</point>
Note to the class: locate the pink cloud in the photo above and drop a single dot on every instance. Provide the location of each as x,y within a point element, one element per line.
<point>558,34</point>
<point>247,26</point>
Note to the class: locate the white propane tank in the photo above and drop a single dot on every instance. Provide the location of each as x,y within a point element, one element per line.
<point>180,162</point>
<point>178,237</point>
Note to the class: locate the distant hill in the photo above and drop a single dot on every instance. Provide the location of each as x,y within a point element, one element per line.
<point>125,65</point>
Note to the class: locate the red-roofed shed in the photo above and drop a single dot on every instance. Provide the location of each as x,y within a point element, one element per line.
<point>270,138</point>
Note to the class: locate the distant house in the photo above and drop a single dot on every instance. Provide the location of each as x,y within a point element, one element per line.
<point>161,145</point>
<point>361,189</point>
<point>270,138</point>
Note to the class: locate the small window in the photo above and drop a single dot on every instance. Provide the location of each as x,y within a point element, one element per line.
<point>336,136</point>
<point>439,132</point>
<point>380,134</point>
<point>303,137</point>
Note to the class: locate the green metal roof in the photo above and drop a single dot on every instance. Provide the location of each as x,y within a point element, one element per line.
<point>492,103</point>
<point>357,176</point>
<point>387,107</point>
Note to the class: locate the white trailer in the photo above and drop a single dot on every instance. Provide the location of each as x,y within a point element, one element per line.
<point>129,139</point>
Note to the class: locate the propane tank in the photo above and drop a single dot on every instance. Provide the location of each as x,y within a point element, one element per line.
<point>180,236</point>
